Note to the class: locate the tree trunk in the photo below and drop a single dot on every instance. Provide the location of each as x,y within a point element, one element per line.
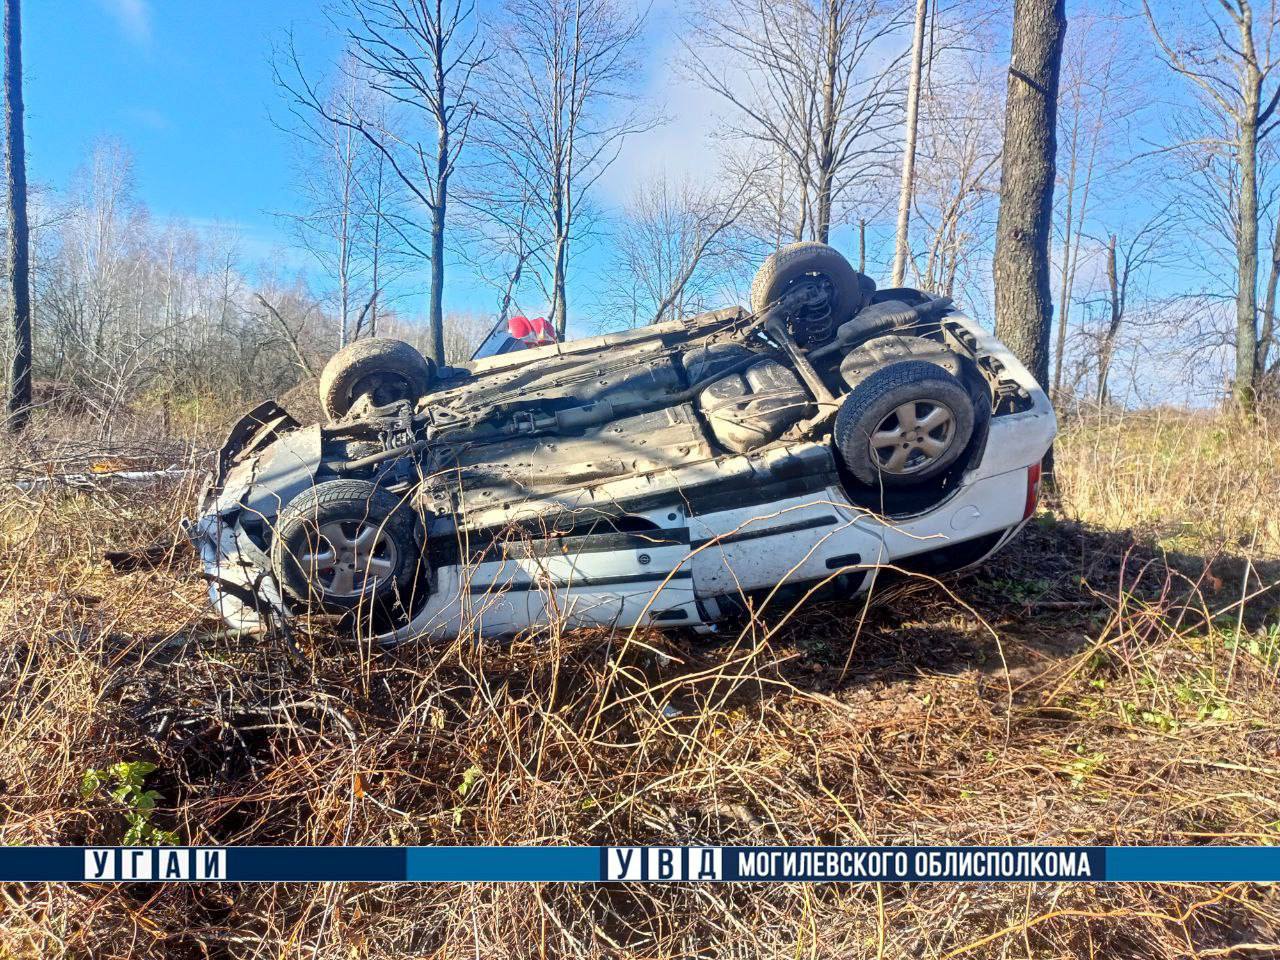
<point>435,343</point>
<point>435,337</point>
<point>344,278</point>
<point>909,145</point>
<point>559,309</point>
<point>826,146</point>
<point>1113,327</point>
<point>862,246</point>
<point>19,250</point>
<point>1024,305</point>
<point>822,216</point>
<point>1247,249</point>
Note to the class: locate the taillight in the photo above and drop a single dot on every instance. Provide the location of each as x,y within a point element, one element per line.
<point>1033,490</point>
<point>536,332</point>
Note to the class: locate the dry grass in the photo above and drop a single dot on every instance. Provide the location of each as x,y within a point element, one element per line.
<point>1087,687</point>
<point>1189,480</point>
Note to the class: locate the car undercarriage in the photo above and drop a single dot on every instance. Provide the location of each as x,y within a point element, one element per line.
<point>654,476</point>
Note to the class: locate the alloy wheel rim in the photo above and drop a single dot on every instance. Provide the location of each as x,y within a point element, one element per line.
<point>350,558</point>
<point>913,437</point>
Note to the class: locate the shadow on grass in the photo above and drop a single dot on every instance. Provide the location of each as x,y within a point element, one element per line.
<point>1046,597</point>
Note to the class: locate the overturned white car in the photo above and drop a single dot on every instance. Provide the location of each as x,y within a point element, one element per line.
<point>664,476</point>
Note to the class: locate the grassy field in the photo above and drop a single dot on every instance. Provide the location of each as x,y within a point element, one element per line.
<point>1113,678</point>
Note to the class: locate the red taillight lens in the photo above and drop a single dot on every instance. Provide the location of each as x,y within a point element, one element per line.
<point>1033,490</point>
<point>536,332</point>
<point>541,332</point>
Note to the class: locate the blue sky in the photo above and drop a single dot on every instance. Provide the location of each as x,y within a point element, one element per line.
<point>187,87</point>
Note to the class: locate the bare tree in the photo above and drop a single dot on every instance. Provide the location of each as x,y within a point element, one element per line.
<point>1204,177</point>
<point>1125,262</point>
<point>671,248</point>
<point>561,102</point>
<point>380,197</point>
<point>901,250</point>
<point>956,179</point>
<point>1268,370</point>
<point>134,313</point>
<point>289,333</point>
<point>422,54</point>
<point>811,83</point>
<point>19,272</point>
<point>89,287</point>
<point>464,332</point>
<point>1024,308</point>
<point>1232,69</point>
<point>329,168</point>
<point>501,242</point>
<point>341,221</point>
<point>1098,99</point>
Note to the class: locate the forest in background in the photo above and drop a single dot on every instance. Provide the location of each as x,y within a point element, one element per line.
<point>450,141</point>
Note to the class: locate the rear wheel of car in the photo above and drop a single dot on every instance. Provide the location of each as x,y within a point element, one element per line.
<point>383,368</point>
<point>343,543</point>
<point>904,425</point>
<point>843,291</point>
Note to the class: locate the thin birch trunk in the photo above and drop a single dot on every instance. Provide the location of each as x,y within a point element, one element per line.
<point>909,145</point>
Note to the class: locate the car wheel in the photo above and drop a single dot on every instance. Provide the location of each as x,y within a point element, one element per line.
<point>847,291</point>
<point>386,369</point>
<point>343,543</point>
<point>904,424</point>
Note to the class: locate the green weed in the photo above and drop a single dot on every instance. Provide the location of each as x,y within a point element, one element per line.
<point>125,783</point>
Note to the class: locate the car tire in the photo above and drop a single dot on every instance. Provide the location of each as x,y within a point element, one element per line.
<point>851,290</point>
<point>333,536</point>
<point>386,368</point>
<point>904,425</point>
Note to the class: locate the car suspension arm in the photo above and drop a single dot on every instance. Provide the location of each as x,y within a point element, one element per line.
<point>777,329</point>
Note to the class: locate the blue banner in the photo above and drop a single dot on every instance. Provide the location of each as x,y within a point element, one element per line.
<point>1202,864</point>
<point>639,864</point>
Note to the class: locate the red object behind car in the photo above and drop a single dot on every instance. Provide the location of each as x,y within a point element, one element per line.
<point>521,333</point>
<point>535,333</point>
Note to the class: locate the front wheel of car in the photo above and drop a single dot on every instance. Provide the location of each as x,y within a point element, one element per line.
<point>344,543</point>
<point>904,425</point>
